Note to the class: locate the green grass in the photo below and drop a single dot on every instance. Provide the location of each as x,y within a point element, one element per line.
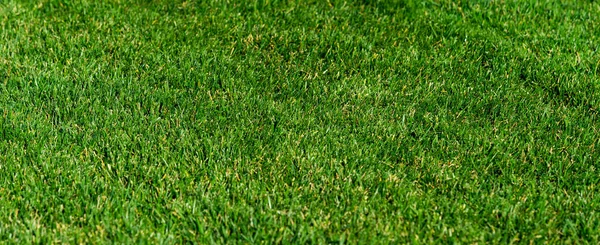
<point>281,121</point>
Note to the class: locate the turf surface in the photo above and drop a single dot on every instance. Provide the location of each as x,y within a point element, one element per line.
<point>266,121</point>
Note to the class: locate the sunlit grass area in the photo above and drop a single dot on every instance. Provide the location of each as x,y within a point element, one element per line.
<point>266,121</point>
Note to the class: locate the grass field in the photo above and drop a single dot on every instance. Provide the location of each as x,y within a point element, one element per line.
<point>282,121</point>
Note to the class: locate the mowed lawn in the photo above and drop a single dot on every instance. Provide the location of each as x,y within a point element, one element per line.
<point>299,121</point>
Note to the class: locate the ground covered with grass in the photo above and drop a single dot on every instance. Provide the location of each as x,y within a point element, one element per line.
<point>266,121</point>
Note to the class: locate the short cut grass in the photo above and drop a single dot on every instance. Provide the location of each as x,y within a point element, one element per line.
<point>288,121</point>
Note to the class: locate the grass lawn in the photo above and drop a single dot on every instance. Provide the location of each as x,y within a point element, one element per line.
<point>289,121</point>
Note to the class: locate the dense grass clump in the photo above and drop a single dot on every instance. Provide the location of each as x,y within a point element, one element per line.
<point>268,121</point>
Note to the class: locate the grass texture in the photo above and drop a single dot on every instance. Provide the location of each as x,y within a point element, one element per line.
<point>287,121</point>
